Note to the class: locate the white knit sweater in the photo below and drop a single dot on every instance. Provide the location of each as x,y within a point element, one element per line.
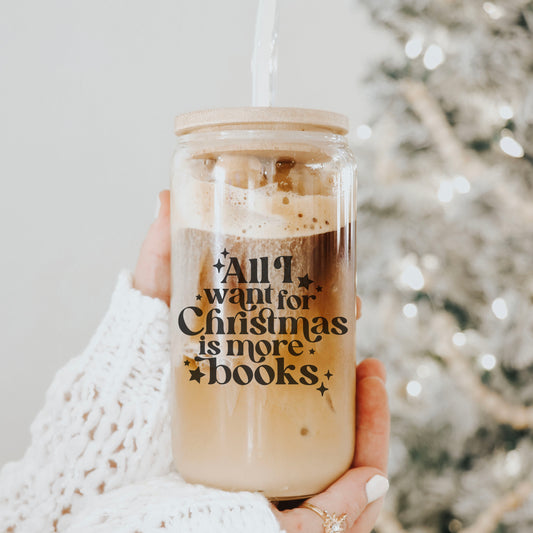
<point>100,458</point>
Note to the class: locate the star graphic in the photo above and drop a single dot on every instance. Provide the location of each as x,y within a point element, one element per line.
<point>196,375</point>
<point>328,374</point>
<point>186,362</point>
<point>218,265</point>
<point>198,296</point>
<point>322,389</point>
<point>224,253</point>
<point>305,281</point>
<point>318,288</point>
<point>312,351</point>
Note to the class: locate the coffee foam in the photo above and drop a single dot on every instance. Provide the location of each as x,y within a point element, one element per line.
<point>264,212</point>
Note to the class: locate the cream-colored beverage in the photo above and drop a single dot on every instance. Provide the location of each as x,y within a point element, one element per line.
<point>263,300</point>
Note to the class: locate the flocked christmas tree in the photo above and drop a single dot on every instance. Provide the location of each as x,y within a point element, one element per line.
<point>445,252</point>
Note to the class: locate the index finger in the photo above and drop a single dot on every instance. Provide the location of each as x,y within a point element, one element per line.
<point>372,422</point>
<point>152,273</point>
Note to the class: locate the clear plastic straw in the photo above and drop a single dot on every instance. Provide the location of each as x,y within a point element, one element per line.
<point>265,58</point>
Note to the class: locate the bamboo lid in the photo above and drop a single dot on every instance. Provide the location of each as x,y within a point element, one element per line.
<point>262,118</point>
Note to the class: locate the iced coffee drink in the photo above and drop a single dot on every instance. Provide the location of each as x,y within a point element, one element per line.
<point>263,302</point>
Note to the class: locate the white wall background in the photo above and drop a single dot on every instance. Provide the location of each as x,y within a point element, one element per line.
<point>88,92</point>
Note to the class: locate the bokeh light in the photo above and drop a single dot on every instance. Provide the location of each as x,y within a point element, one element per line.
<point>413,47</point>
<point>445,192</point>
<point>414,388</point>
<point>511,147</point>
<point>487,361</point>
<point>364,132</point>
<point>410,310</point>
<point>499,308</point>
<point>433,57</point>
<point>506,112</point>
<point>459,338</point>
<point>413,277</point>
<point>461,184</point>
<point>493,11</point>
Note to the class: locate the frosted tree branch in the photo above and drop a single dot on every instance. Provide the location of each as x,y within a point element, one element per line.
<point>486,522</point>
<point>431,115</point>
<point>388,523</point>
<point>461,160</point>
<point>517,416</point>
<point>489,520</point>
<point>452,152</point>
<point>446,212</point>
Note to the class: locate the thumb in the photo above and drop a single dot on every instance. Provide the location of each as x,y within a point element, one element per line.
<point>152,273</point>
<point>350,495</point>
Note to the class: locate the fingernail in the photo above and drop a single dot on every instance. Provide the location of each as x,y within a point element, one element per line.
<point>157,207</point>
<point>376,487</point>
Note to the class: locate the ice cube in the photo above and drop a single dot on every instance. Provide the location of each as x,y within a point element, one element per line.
<point>242,171</point>
<point>309,180</point>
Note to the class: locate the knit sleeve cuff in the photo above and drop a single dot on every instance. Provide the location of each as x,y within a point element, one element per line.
<point>132,320</point>
<point>169,504</point>
<point>130,303</point>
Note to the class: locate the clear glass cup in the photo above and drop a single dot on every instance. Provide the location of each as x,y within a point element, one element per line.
<point>263,300</point>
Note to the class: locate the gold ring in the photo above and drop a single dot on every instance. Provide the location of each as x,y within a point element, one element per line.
<point>331,522</point>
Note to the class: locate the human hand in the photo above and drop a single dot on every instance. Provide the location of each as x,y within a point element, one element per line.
<point>152,273</point>
<point>351,493</point>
